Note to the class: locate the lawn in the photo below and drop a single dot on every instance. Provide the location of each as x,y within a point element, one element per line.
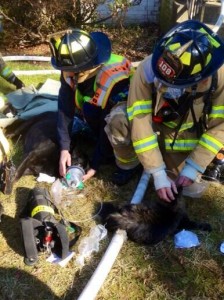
<point>161,272</point>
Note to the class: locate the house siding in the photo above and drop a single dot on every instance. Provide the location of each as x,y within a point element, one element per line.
<point>146,12</point>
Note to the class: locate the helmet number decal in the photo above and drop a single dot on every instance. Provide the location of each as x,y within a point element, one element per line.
<point>166,70</point>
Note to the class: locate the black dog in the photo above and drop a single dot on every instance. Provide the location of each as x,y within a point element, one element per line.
<point>146,224</point>
<point>40,151</point>
<point>40,148</point>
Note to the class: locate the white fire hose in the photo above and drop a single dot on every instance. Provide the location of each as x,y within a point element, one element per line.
<point>100,274</point>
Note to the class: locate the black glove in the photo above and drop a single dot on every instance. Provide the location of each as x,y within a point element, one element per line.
<point>18,83</point>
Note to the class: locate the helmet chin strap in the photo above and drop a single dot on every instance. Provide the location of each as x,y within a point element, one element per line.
<point>72,81</point>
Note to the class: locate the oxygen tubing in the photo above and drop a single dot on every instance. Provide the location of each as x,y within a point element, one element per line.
<point>96,281</point>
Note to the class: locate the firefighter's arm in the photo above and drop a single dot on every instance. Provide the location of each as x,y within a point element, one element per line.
<point>143,137</point>
<point>139,109</point>
<point>212,140</point>
<point>66,110</point>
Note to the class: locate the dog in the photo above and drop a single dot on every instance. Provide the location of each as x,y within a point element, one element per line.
<point>149,224</point>
<point>40,149</point>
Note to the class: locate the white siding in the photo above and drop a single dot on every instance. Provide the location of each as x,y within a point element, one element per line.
<point>146,12</point>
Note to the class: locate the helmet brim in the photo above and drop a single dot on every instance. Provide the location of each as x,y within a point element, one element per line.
<point>103,46</point>
<point>215,63</point>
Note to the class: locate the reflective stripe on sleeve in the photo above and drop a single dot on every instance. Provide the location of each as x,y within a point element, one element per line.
<point>210,143</point>
<point>217,112</point>
<point>145,144</point>
<point>139,107</point>
<point>181,144</point>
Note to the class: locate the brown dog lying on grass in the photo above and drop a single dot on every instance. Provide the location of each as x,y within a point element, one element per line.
<point>149,224</point>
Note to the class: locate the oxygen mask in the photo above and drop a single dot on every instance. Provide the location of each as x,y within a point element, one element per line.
<point>74,176</point>
<point>171,97</point>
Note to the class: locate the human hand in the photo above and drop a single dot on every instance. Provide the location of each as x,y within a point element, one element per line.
<point>64,162</point>
<point>184,181</point>
<point>165,186</point>
<point>90,173</point>
<point>166,194</point>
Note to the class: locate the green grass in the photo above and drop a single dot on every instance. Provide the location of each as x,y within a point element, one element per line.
<point>139,273</point>
<point>31,65</point>
<point>35,80</point>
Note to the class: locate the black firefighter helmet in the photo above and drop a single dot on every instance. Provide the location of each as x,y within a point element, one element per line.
<point>78,51</point>
<point>187,54</point>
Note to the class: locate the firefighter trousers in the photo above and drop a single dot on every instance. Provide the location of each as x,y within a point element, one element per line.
<point>118,132</point>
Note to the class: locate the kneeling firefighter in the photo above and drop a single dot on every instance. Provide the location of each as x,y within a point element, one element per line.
<point>94,83</point>
<point>41,232</point>
<point>176,107</point>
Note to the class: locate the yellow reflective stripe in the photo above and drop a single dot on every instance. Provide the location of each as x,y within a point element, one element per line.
<point>184,126</point>
<point>210,143</point>
<point>208,59</point>
<point>145,144</point>
<point>64,49</point>
<point>186,58</point>
<point>197,68</point>
<point>175,46</point>
<point>126,160</point>
<point>217,112</point>
<point>139,107</point>
<point>6,72</point>
<point>213,41</point>
<point>57,43</point>
<point>41,208</point>
<point>181,144</point>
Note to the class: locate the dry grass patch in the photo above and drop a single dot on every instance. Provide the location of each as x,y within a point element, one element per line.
<point>159,272</point>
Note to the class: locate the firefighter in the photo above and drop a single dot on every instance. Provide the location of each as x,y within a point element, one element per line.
<point>6,72</point>
<point>93,82</point>
<point>175,107</point>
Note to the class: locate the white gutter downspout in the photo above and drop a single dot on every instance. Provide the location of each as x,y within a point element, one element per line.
<point>100,274</point>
